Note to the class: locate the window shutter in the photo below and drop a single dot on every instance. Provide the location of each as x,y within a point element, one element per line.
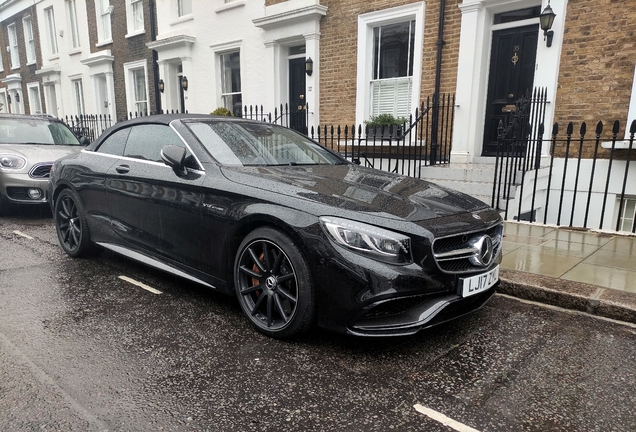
<point>392,96</point>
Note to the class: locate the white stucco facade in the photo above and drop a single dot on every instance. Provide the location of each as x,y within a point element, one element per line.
<point>62,71</point>
<point>192,46</point>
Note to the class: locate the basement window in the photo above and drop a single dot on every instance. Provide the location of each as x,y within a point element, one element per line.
<point>627,221</point>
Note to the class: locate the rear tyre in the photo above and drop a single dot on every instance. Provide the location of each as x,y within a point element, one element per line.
<point>273,284</point>
<point>71,226</point>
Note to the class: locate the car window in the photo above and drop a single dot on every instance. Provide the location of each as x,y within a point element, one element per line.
<point>146,141</point>
<point>248,143</point>
<point>115,143</point>
<point>33,130</point>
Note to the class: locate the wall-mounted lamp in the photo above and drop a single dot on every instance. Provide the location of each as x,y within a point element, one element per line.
<point>162,86</point>
<point>547,19</point>
<point>309,66</point>
<point>9,99</point>
<point>17,98</point>
<point>184,83</point>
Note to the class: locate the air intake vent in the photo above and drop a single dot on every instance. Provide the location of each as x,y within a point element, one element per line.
<point>41,170</point>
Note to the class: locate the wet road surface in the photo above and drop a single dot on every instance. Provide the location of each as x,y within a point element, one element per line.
<point>83,349</point>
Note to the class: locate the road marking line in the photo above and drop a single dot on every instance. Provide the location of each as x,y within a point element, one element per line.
<point>139,284</point>
<point>441,418</point>
<point>20,233</point>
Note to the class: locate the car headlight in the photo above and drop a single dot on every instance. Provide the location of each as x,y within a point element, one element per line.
<point>12,162</point>
<point>377,243</point>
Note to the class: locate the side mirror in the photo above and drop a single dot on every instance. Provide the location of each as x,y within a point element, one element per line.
<point>83,140</point>
<point>174,157</point>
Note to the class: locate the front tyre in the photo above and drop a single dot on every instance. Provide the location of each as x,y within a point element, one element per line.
<point>273,284</point>
<point>70,224</point>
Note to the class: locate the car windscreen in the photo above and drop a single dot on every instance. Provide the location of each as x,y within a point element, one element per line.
<point>259,144</point>
<point>35,131</point>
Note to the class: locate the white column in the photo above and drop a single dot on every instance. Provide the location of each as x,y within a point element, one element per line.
<point>470,93</point>
<point>312,92</point>
<point>272,76</point>
<point>110,91</point>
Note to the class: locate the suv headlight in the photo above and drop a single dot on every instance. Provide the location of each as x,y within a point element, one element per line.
<point>377,243</point>
<point>12,162</point>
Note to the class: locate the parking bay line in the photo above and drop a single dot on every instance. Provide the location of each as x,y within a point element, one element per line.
<point>441,418</point>
<point>20,233</point>
<point>140,285</point>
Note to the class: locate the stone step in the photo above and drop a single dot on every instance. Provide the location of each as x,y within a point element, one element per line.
<point>481,173</point>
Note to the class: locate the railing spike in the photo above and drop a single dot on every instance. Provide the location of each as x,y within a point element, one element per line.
<point>599,128</point>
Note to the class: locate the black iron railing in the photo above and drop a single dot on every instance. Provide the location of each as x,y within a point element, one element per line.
<point>575,186</point>
<point>89,126</point>
<point>402,149</point>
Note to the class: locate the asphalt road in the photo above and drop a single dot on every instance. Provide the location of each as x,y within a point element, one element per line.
<point>83,349</point>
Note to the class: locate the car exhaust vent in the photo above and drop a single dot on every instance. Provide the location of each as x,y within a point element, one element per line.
<point>466,253</point>
<point>42,170</point>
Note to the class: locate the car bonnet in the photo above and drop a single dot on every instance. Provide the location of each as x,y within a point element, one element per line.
<point>39,153</point>
<point>355,188</point>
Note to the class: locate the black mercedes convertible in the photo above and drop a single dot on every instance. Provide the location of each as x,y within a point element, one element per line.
<point>300,235</point>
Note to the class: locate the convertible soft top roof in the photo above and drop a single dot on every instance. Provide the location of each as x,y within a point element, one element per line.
<point>165,119</point>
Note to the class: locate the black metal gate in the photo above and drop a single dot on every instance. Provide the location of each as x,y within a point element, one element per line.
<point>518,146</point>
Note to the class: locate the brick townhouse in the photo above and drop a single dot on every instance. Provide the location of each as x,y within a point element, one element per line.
<point>69,57</point>
<point>20,87</point>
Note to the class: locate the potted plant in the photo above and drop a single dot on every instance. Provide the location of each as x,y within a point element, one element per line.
<point>385,126</point>
<point>222,111</point>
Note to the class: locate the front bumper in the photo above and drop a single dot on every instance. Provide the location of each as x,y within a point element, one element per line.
<point>363,297</point>
<point>15,188</point>
<point>408,315</point>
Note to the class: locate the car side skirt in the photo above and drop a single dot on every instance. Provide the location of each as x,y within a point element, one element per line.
<point>152,262</point>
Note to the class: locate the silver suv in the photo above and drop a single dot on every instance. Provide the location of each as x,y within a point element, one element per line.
<point>29,144</point>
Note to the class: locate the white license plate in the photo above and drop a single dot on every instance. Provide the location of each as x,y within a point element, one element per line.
<point>480,283</point>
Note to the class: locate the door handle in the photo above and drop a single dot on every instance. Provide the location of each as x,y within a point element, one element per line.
<point>122,169</point>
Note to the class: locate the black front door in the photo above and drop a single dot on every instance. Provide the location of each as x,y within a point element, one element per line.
<point>512,65</point>
<point>297,101</point>
<point>181,95</point>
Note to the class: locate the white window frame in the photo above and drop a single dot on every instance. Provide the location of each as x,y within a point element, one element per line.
<point>78,96</point>
<point>14,50</point>
<point>184,8</point>
<point>35,98</point>
<point>366,23</point>
<point>104,27</point>
<point>132,103</point>
<point>51,31</point>
<point>29,39</point>
<point>4,106</point>
<point>71,13</point>
<point>631,219</point>
<point>135,17</point>
<point>222,89</point>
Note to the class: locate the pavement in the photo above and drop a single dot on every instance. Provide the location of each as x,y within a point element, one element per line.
<point>593,272</point>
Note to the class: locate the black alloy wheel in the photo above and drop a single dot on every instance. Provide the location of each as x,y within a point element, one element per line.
<point>70,224</point>
<point>273,284</point>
